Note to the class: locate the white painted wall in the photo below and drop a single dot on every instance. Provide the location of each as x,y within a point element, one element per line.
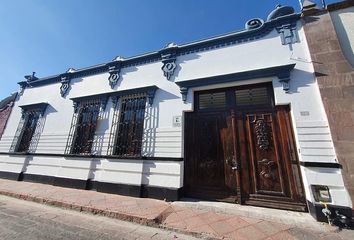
<point>160,138</point>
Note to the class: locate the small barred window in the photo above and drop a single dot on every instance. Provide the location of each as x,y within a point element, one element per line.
<point>29,129</point>
<point>83,127</point>
<point>128,126</point>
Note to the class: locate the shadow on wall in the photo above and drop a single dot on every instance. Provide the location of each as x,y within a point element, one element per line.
<point>149,134</point>
<point>100,134</point>
<point>28,159</point>
<point>180,60</point>
<point>311,19</point>
<point>303,79</point>
<point>93,170</point>
<point>39,129</point>
<point>145,174</point>
<point>123,71</point>
<point>148,144</point>
<point>163,96</point>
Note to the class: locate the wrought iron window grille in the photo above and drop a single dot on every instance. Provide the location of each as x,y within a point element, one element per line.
<point>29,129</point>
<point>128,125</point>
<point>83,125</point>
<point>126,133</point>
<point>85,144</point>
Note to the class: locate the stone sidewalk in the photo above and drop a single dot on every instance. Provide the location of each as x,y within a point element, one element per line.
<point>201,222</point>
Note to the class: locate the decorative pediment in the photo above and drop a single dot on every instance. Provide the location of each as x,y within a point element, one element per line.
<point>65,80</point>
<point>149,91</point>
<point>281,72</point>
<point>168,56</point>
<point>114,71</point>
<point>41,107</point>
<point>288,34</point>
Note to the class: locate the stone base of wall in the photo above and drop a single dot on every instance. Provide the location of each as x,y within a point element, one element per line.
<point>161,193</point>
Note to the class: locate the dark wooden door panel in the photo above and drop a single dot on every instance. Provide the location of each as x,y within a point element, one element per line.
<point>274,176</point>
<point>267,170</point>
<point>229,157</point>
<point>209,152</point>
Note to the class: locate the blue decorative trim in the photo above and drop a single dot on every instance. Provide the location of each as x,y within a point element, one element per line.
<point>255,30</point>
<point>114,75</point>
<point>76,106</point>
<point>284,79</point>
<point>65,85</point>
<point>288,34</point>
<point>114,71</point>
<point>65,80</point>
<point>31,78</point>
<point>184,92</point>
<point>168,56</point>
<point>282,72</point>
<point>36,106</point>
<point>150,93</point>
<point>23,86</point>
<point>280,11</point>
<point>254,23</point>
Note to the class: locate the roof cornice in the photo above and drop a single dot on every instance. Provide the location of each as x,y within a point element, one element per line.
<point>259,30</point>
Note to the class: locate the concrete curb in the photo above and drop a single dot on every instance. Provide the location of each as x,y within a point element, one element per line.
<point>151,222</point>
<point>102,212</point>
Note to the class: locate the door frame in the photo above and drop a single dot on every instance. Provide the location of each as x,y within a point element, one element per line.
<point>296,182</point>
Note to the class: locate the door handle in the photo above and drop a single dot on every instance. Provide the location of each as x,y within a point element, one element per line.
<point>234,165</point>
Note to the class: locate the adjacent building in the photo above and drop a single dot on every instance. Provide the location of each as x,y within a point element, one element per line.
<point>5,111</point>
<point>330,36</point>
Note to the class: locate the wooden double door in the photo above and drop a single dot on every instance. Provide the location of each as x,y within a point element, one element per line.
<point>242,153</point>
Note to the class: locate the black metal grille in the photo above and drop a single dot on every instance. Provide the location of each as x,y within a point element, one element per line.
<point>83,126</point>
<point>129,129</point>
<point>26,130</point>
<point>215,100</point>
<point>252,96</point>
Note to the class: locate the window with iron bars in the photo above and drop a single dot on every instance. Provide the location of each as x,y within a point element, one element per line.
<point>29,129</point>
<point>128,126</point>
<point>83,125</point>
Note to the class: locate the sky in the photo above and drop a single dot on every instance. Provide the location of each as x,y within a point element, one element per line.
<point>50,36</point>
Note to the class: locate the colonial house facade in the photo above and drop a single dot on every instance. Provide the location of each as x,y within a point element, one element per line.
<point>236,118</point>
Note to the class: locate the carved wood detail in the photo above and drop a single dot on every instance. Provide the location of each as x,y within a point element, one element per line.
<point>267,169</point>
<point>262,134</point>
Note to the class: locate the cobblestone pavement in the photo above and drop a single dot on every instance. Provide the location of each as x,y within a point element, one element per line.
<point>206,223</point>
<point>27,220</point>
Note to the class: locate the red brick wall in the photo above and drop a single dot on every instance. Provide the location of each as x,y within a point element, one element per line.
<point>335,77</point>
<point>4,115</point>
